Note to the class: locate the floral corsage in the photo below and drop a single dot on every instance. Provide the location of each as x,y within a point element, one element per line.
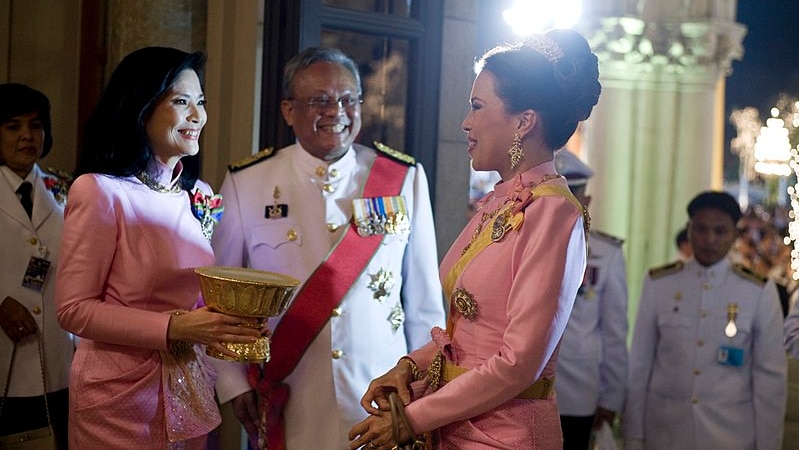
<point>208,210</point>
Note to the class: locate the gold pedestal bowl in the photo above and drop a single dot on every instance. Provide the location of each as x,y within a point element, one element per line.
<point>246,293</point>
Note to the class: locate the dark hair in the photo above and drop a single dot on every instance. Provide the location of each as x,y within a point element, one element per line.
<point>17,99</point>
<point>721,201</point>
<point>555,74</point>
<point>115,138</point>
<point>314,55</point>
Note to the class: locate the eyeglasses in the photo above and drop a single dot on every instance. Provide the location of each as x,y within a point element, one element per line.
<point>324,102</point>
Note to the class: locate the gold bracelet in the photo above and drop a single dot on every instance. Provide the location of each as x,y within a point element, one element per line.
<point>415,373</point>
<point>179,348</point>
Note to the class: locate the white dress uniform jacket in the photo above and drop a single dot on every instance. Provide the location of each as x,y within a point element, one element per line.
<point>366,335</point>
<point>592,362</point>
<point>21,239</point>
<point>680,396</point>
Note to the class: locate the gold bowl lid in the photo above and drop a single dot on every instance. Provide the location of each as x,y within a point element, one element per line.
<point>247,292</point>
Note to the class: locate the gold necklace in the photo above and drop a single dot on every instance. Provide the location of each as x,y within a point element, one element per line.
<point>148,181</point>
<point>501,224</point>
<point>485,218</point>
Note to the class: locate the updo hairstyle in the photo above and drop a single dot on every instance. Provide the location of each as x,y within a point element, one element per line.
<point>555,74</point>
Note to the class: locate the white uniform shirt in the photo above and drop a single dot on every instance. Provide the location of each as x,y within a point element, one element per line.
<point>362,340</point>
<point>679,395</point>
<point>592,361</point>
<point>21,239</point>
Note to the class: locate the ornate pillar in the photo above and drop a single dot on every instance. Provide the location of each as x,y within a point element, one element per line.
<point>656,137</point>
<point>133,24</point>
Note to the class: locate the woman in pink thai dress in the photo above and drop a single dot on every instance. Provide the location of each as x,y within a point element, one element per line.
<point>513,273</point>
<point>136,225</point>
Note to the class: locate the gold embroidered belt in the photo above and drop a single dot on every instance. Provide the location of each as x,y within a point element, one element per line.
<point>543,388</point>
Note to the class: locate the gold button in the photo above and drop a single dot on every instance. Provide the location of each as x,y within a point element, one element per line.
<point>705,286</point>
<point>332,227</point>
<point>321,171</point>
<point>291,235</point>
<point>328,188</point>
<point>337,312</point>
<point>337,354</point>
<point>37,310</point>
<point>697,372</point>
<point>678,296</point>
<point>700,342</point>
<point>334,173</point>
<point>33,241</point>
<point>703,314</point>
<point>694,399</point>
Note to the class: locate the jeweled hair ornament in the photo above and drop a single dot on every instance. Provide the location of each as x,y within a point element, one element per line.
<point>544,45</point>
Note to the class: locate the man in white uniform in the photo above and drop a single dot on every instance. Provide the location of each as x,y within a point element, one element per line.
<point>592,361</point>
<point>312,210</point>
<point>707,364</point>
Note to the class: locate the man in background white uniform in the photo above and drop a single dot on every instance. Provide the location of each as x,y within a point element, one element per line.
<point>707,363</point>
<point>592,361</point>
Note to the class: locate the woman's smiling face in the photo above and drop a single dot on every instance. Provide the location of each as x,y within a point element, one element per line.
<point>488,126</point>
<point>177,120</point>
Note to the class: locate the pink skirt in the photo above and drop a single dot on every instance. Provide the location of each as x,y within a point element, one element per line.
<point>520,424</point>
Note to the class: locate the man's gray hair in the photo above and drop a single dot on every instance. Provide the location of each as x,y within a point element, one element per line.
<point>314,55</point>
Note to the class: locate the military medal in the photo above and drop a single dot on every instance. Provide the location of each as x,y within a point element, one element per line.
<point>729,355</point>
<point>732,313</point>
<point>380,215</point>
<point>381,284</point>
<point>276,211</point>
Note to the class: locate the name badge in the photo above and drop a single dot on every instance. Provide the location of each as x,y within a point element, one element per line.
<point>36,273</point>
<point>380,215</point>
<point>730,356</point>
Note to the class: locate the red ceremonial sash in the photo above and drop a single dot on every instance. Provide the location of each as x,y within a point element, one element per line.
<point>314,304</point>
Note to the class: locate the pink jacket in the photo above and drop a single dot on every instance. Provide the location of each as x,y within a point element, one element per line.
<point>524,287</point>
<point>127,259</point>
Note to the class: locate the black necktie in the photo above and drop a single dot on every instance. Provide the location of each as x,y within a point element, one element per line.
<point>24,191</point>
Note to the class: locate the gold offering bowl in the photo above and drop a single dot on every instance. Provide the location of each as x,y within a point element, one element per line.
<point>245,292</point>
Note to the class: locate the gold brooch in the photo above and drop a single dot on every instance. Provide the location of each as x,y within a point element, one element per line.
<point>464,303</point>
<point>500,227</point>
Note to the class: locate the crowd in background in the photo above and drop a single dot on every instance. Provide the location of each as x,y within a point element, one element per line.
<point>762,246</point>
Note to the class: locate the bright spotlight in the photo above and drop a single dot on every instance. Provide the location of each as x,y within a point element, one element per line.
<point>537,16</point>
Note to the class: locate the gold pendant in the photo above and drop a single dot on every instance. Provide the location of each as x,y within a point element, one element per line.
<point>501,226</point>
<point>465,303</point>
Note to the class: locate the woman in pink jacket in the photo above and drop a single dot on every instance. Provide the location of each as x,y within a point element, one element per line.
<point>136,225</point>
<point>513,273</point>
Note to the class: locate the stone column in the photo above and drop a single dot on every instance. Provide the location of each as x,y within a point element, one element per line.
<point>656,137</point>
<point>133,24</point>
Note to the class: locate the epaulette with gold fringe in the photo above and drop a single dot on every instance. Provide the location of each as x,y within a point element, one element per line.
<point>607,238</point>
<point>252,159</point>
<point>395,154</point>
<point>749,274</point>
<point>668,269</point>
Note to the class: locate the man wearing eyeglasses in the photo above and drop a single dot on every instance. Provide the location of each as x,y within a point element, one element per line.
<point>355,225</point>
